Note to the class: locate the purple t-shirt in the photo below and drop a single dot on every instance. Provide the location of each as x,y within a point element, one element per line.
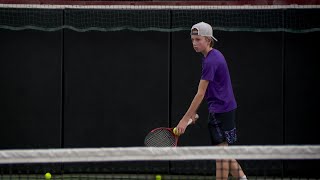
<point>219,93</point>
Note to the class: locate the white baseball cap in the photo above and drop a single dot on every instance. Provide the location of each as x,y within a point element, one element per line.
<point>203,29</point>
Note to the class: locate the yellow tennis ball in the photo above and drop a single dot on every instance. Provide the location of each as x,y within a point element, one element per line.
<point>175,131</point>
<point>158,177</point>
<point>47,175</point>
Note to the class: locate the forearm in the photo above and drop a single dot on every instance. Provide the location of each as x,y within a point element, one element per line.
<point>191,113</point>
<point>194,105</point>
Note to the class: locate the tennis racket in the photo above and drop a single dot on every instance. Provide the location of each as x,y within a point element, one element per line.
<point>163,137</point>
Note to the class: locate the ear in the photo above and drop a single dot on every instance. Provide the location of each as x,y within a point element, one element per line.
<point>209,40</point>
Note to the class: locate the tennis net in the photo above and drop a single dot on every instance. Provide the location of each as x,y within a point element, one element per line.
<point>160,16</point>
<point>258,162</point>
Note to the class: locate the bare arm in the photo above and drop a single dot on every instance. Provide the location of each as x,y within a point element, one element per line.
<point>203,84</point>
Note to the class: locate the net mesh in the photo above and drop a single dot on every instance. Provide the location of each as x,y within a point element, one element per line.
<point>258,162</point>
<point>164,18</point>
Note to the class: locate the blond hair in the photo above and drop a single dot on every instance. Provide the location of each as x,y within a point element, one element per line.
<point>210,39</point>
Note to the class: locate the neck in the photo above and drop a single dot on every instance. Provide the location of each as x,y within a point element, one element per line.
<point>206,51</point>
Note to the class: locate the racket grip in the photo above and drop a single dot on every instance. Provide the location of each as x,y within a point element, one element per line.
<point>190,120</point>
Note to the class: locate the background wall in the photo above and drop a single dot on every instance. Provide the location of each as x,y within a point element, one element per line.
<point>71,89</point>
<point>109,89</point>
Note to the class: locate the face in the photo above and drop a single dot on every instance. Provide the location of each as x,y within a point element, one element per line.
<point>200,43</point>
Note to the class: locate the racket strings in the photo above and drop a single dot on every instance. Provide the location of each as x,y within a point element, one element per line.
<point>160,138</point>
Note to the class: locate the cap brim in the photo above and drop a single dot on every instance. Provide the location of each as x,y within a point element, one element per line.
<point>214,38</point>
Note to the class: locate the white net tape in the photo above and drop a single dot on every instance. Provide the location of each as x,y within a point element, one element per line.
<point>161,7</point>
<point>159,154</point>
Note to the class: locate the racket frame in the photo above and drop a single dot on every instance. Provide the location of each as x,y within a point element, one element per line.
<point>170,130</point>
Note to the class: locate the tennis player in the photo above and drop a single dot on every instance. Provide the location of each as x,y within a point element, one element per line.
<point>215,86</point>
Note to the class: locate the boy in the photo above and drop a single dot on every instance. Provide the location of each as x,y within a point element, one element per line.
<point>215,86</point>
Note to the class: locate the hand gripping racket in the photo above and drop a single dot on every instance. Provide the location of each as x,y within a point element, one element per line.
<point>163,137</point>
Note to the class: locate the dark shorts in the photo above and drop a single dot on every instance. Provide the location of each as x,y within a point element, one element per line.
<point>222,127</point>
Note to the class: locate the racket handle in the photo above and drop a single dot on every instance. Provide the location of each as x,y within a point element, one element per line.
<point>190,120</point>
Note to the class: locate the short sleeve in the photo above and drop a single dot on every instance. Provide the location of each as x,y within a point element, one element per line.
<point>208,71</point>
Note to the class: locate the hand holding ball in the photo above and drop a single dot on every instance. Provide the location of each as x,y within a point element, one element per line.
<point>175,130</point>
